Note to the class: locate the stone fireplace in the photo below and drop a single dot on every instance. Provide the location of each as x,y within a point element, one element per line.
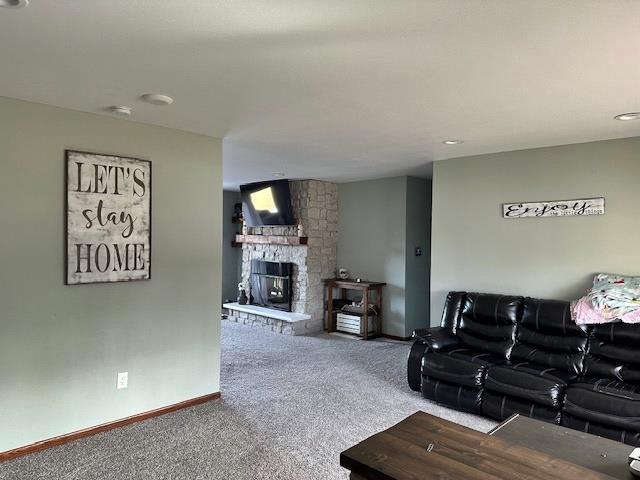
<point>315,207</point>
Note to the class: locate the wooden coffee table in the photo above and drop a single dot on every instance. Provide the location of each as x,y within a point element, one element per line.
<point>590,451</point>
<point>426,447</point>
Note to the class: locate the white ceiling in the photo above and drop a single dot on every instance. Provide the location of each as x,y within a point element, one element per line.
<point>338,89</point>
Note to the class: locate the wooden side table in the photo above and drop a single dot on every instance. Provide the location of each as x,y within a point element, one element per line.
<point>365,287</point>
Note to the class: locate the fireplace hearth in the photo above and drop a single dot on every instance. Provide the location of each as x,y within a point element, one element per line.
<point>270,284</point>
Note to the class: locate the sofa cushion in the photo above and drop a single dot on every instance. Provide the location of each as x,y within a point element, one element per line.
<point>630,437</point>
<point>475,356</point>
<point>452,310</point>
<point>605,401</point>
<point>459,367</point>
<point>613,352</point>
<point>501,407</point>
<point>547,336</point>
<point>488,322</point>
<point>456,396</point>
<point>536,383</point>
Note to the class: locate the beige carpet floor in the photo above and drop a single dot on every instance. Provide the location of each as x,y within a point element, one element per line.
<point>289,406</point>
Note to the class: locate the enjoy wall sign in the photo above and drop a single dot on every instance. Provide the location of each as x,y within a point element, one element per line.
<point>560,208</point>
<point>108,218</point>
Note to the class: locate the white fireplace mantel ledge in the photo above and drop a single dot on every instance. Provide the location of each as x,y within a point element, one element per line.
<point>268,312</point>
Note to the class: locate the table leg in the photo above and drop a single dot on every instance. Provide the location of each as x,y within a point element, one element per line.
<point>365,317</point>
<point>329,308</point>
<point>379,304</point>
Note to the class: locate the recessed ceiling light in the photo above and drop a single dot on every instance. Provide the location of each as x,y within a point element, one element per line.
<point>14,3</point>
<point>157,99</point>
<point>624,117</point>
<point>452,142</point>
<point>278,174</point>
<point>120,110</point>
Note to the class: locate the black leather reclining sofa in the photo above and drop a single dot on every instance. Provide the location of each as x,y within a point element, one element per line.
<point>497,355</point>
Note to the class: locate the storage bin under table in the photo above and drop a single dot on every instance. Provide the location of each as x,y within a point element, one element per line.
<point>352,323</point>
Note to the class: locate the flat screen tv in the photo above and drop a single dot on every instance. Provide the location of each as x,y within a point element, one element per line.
<point>267,203</point>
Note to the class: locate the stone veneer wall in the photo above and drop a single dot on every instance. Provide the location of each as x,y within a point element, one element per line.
<point>315,206</point>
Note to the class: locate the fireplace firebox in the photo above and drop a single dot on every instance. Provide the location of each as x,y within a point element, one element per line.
<point>270,284</point>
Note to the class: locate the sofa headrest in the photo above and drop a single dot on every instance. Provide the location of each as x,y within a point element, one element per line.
<point>550,316</point>
<point>491,308</point>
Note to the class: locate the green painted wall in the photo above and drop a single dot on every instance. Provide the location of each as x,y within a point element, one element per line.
<point>62,346</point>
<point>377,233</point>
<point>231,257</point>
<point>474,248</point>
<point>417,267</point>
<point>371,240</point>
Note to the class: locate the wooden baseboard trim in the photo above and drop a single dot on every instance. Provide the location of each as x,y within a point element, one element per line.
<point>394,337</point>
<point>87,432</point>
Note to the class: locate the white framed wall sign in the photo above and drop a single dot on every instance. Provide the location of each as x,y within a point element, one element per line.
<point>558,208</point>
<point>108,218</point>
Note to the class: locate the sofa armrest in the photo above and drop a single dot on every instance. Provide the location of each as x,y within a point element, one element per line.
<point>436,338</point>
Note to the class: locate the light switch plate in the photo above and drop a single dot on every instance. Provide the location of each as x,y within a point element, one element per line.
<point>123,380</point>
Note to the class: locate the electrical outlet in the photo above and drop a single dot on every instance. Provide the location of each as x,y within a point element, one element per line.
<point>123,380</point>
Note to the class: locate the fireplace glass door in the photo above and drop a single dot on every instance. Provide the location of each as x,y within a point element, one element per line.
<point>271,285</point>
